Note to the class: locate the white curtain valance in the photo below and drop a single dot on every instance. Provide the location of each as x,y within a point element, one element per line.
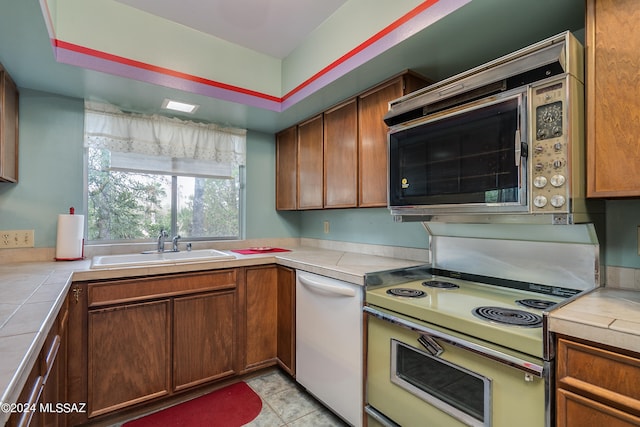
<point>162,137</point>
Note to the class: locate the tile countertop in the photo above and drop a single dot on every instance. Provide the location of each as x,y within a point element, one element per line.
<point>31,294</point>
<point>606,315</point>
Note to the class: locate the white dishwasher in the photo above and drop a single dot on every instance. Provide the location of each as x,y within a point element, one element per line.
<point>329,343</point>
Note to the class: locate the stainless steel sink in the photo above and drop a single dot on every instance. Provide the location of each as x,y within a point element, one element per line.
<point>164,258</point>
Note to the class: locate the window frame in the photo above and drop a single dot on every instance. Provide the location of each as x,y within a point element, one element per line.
<point>174,211</point>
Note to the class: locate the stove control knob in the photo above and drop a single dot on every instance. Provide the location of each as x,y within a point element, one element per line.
<point>539,149</point>
<point>540,201</point>
<point>558,180</point>
<point>557,146</point>
<point>557,201</point>
<point>540,181</point>
<point>539,166</point>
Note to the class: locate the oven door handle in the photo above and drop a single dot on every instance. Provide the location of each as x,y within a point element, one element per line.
<point>489,353</point>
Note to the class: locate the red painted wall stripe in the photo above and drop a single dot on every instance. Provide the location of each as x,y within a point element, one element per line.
<point>393,26</point>
<point>166,71</point>
<point>142,65</point>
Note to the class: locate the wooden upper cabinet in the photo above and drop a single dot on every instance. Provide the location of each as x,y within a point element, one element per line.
<point>613,104</point>
<point>339,158</point>
<point>341,155</point>
<point>8,128</point>
<point>372,136</point>
<point>310,172</point>
<point>287,169</point>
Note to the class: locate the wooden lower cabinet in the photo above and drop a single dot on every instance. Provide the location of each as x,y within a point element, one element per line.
<point>128,355</point>
<point>287,319</point>
<point>261,316</point>
<point>204,338</point>
<point>578,411</point>
<point>596,386</point>
<point>46,383</point>
<point>270,318</point>
<point>143,339</point>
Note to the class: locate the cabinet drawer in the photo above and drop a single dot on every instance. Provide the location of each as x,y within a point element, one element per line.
<point>603,375</point>
<point>578,411</point>
<point>122,291</point>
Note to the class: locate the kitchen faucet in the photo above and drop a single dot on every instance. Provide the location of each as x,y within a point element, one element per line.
<point>174,242</point>
<point>161,238</point>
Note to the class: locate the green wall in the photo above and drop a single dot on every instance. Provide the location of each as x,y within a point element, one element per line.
<point>50,166</point>
<point>367,225</point>
<point>623,219</point>
<point>51,180</point>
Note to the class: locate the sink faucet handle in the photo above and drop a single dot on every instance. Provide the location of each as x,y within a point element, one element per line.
<point>161,237</point>
<point>175,242</point>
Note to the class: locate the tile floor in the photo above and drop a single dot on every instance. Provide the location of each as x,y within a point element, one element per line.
<point>284,403</point>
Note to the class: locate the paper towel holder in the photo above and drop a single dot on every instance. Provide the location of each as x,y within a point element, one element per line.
<point>63,252</point>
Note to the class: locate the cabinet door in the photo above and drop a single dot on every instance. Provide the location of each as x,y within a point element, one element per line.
<point>8,128</point>
<point>613,76</point>
<point>286,169</point>
<point>204,334</point>
<point>341,156</point>
<point>262,316</point>
<point>578,411</point>
<point>128,355</point>
<point>77,344</point>
<point>54,390</point>
<point>310,143</point>
<point>372,143</point>
<point>286,319</point>
<point>30,395</point>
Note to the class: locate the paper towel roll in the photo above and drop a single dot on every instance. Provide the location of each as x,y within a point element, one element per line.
<point>69,243</point>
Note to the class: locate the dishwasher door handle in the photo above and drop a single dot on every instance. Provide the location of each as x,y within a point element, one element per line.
<point>326,287</point>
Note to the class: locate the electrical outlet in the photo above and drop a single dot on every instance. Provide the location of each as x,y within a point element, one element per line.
<point>326,227</point>
<point>16,239</point>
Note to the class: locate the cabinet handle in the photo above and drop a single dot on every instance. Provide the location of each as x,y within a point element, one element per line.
<point>76,293</point>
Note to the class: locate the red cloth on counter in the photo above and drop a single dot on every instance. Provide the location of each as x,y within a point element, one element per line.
<point>253,251</point>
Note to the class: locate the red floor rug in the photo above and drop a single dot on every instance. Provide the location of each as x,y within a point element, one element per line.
<point>232,406</point>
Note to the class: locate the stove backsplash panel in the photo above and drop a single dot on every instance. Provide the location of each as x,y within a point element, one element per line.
<point>572,264</point>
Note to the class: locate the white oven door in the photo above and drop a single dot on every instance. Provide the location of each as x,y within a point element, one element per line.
<point>410,386</point>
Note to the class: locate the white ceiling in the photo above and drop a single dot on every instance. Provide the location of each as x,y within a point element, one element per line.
<point>272,27</point>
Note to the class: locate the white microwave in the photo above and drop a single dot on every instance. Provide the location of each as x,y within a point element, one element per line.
<point>501,142</point>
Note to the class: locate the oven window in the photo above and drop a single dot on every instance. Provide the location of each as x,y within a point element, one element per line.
<point>467,158</point>
<point>455,390</point>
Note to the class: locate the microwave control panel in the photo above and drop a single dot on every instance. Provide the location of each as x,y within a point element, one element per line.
<point>549,148</point>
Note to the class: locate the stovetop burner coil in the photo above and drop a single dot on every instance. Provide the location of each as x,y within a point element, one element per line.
<point>439,284</point>
<point>508,316</point>
<point>406,292</point>
<point>540,304</point>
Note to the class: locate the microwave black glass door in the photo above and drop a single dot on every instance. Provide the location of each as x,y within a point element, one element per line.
<point>466,158</point>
